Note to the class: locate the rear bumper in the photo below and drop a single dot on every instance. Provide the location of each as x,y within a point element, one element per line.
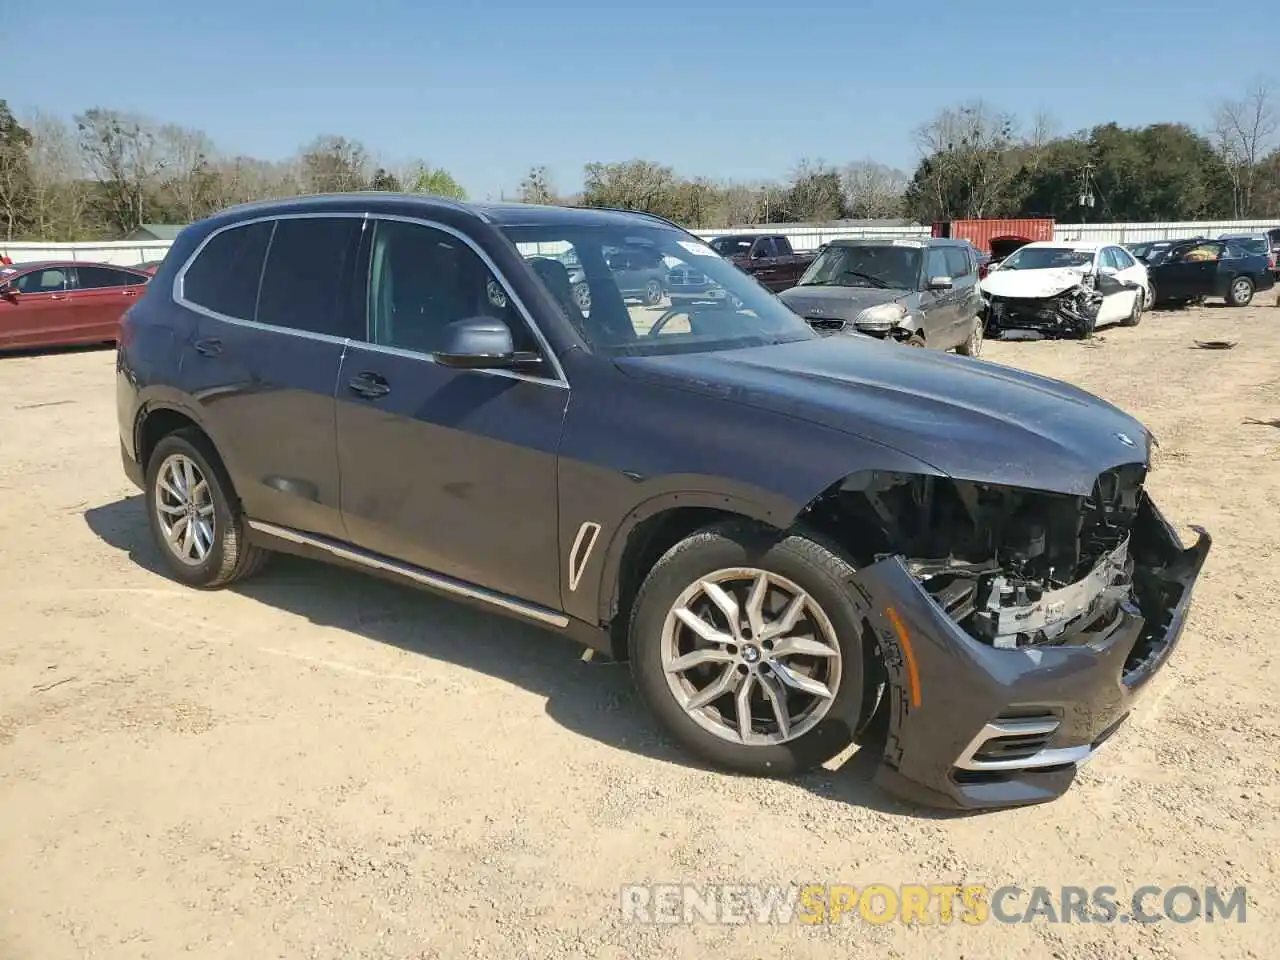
<point>975,727</point>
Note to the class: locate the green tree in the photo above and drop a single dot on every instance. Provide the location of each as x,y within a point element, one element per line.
<point>383,179</point>
<point>631,185</point>
<point>437,182</point>
<point>15,172</point>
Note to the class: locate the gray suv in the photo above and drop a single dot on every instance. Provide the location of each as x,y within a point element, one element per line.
<point>923,293</point>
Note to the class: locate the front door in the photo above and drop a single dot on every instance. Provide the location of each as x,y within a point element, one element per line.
<point>36,311</point>
<point>450,470</point>
<point>1192,273</point>
<point>1117,293</point>
<point>938,306</point>
<point>264,361</point>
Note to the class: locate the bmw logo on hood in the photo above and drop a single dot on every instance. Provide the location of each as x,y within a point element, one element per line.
<point>1125,439</point>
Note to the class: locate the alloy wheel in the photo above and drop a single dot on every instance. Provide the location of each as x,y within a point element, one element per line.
<point>1241,290</point>
<point>750,657</point>
<point>184,509</point>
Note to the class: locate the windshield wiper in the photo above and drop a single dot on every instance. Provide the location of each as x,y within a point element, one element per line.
<point>874,281</point>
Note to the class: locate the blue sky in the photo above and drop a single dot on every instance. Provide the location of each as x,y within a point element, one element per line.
<point>712,87</point>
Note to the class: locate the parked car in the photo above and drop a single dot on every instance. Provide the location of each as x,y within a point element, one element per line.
<point>1258,243</point>
<point>1149,250</point>
<point>640,274</point>
<point>1065,289</point>
<point>55,303</point>
<point>1196,269</point>
<point>796,541</point>
<point>150,266</point>
<point>769,259</point>
<point>923,293</point>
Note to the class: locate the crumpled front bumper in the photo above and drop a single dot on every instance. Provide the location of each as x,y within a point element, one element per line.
<point>973,727</point>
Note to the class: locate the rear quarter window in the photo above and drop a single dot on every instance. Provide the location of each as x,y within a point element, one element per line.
<point>224,275</point>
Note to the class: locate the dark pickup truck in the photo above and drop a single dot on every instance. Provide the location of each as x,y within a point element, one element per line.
<point>769,259</point>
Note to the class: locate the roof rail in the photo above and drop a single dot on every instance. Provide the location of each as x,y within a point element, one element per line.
<point>640,213</point>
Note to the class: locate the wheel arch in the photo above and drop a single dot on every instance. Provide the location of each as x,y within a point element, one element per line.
<point>160,418</point>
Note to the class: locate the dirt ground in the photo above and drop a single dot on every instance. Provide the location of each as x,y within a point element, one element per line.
<point>322,765</point>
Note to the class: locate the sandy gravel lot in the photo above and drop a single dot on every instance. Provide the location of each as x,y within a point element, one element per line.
<point>321,765</point>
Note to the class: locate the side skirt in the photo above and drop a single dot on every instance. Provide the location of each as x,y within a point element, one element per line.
<point>287,540</point>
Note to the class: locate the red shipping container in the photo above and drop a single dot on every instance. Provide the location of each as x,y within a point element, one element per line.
<point>996,237</point>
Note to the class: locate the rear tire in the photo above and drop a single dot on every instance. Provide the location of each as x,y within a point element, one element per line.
<point>1241,292</point>
<point>824,654</point>
<point>188,490</point>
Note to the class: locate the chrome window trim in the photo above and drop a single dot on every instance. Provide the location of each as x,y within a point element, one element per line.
<point>178,294</point>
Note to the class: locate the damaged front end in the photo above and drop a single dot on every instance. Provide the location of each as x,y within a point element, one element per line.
<point>1073,313</point>
<point>1013,627</point>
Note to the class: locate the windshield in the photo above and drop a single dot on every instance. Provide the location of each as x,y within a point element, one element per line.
<point>1048,258</point>
<point>882,267</point>
<point>732,246</point>
<point>642,290</point>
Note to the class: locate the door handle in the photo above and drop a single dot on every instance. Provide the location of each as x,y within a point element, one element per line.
<point>128,293</point>
<point>369,385</point>
<point>208,348</point>
<point>57,296</point>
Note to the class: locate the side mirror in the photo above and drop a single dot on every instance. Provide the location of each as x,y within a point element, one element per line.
<point>940,283</point>
<point>1107,271</point>
<point>8,291</point>
<point>477,343</point>
<point>482,343</point>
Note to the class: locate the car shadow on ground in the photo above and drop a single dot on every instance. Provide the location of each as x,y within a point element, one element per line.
<point>593,699</point>
<point>15,353</point>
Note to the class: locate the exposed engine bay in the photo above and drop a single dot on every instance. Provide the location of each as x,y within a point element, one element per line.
<point>1072,313</point>
<point>1012,567</point>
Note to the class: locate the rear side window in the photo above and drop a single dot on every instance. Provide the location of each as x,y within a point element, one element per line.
<point>307,271</point>
<point>224,276</point>
<point>94,278</point>
<point>958,264</point>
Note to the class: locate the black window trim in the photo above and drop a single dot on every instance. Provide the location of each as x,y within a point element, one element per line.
<point>557,380</point>
<point>118,268</point>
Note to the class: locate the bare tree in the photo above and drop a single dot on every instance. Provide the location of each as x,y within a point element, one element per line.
<point>189,165</point>
<point>59,194</point>
<point>633,185</point>
<point>968,164</point>
<point>124,155</point>
<point>741,204</point>
<point>873,191</point>
<point>1243,132</point>
<point>536,187</point>
<point>333,164</point>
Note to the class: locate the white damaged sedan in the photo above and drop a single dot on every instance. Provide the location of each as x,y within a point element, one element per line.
<point>1065,289</point>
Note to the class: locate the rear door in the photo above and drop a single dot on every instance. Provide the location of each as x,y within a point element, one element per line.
<point>276,307</point>
<point>100,298</point>
<point>36,312</point>
<point>449,470</point>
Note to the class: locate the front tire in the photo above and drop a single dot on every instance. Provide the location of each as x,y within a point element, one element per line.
<point>747,647</point>
<point>652,293</point>
<point>915,340</point>
<point>194,515</point>
<point>1135,315</point>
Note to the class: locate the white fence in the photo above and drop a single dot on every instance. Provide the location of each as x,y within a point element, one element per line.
<point>802,237</point>
<point>126,253</point>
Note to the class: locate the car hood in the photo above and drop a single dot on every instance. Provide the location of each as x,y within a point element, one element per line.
<point>968,419</point>
<point>1032,284</point>
<point>838,303</point>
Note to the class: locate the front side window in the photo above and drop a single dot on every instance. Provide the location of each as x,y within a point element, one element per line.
<point>422,279</point>
<point>49,280</point>
<point>1122,258</point>
<point>307,273</point>
<point>957,262</point>
<point>865,265</point>
<point>1048,258</point>
<point>224,275</point>
<point>1202,253</point>
<point>709,304</point>
<point>732,246</point>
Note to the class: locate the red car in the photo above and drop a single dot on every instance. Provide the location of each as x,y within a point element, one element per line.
<point>63,303</point>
